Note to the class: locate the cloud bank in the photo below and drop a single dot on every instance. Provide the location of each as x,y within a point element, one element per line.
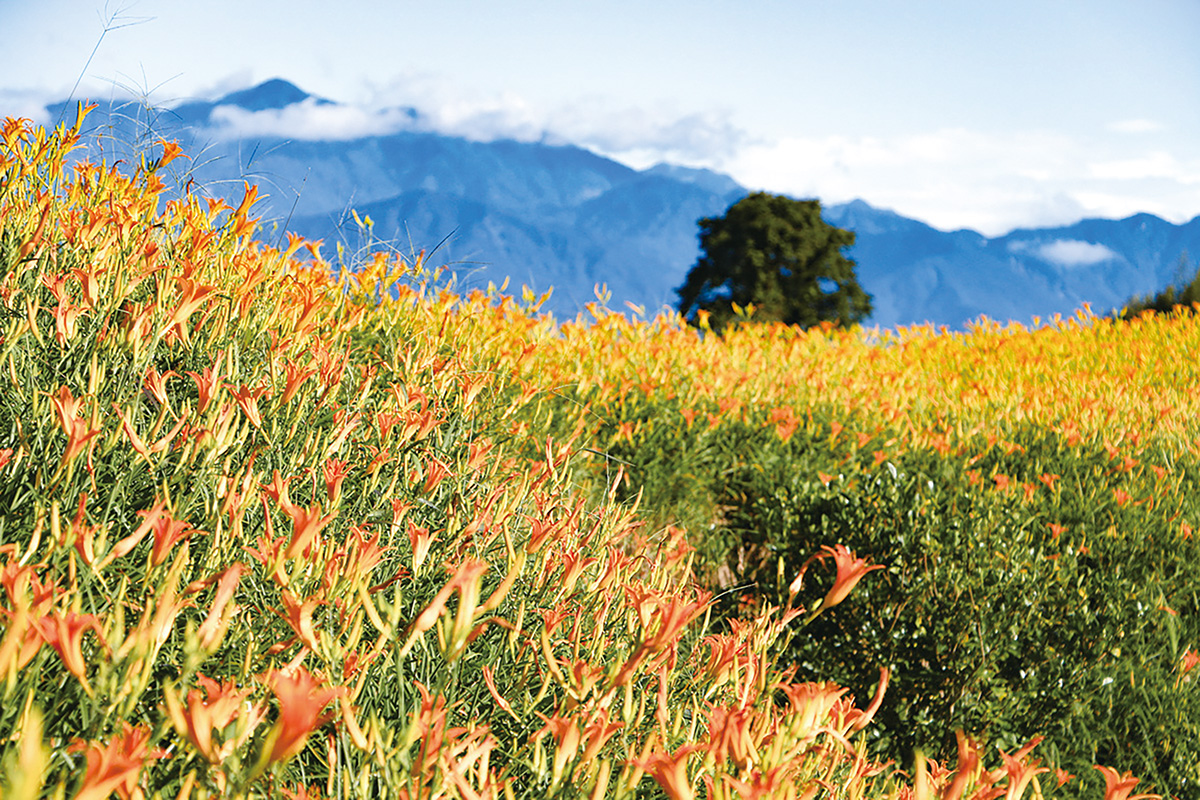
<point>1134,126</point>
<point>24,104</point>
<point>309,120</point>
<point>990,182</point>
<point>1074,253</point>
<point>641,137</point>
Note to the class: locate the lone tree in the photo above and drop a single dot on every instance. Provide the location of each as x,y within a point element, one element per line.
<point>779,255</point>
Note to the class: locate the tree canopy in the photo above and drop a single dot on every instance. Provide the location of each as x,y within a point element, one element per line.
<point>780,256</point>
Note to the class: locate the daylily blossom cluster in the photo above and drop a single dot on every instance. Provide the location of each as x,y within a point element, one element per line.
<point>276,528</point>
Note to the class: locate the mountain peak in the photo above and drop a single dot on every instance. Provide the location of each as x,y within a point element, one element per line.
<point>862,217</point>
<point>715,182</point>
<point>272,94</point>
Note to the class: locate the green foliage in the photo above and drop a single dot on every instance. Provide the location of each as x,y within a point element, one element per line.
<point>777,255</point>
<point>991,620</point>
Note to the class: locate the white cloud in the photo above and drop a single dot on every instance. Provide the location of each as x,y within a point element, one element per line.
<point>308,120</point>
<point>1067,252</point>
<point>951,178</point>
<point>637,136</point>
<point>1134,126</point>
<point>993,183</point>
<point>24,104</point>
<point>643,137</point>
<point>1158,164</point>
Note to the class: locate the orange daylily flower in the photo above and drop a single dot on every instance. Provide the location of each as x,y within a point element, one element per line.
<point>207,382</point>
<point>29,599</point>
<point>1187,663</point>
<point>302,698</point>
<point>277,490</point>
<point>421,540</point>
<point>64,632</point>
<point>125,545</point>
<point>82,535</point>
<point>25,589</point>
<point>435,473</point>
<point>428,725</point>
<point>79,431</point>
<point>66,318</point>
<point>155,385</point>
<point>171,151</point>
<point>1020,771</point>
<point>220,613</point>
<point>762,785</point>
<point>861,719</point>
<point>673,616</point>
<point>365,553</point>
<point>192,295</point>
<point>850,570</point>
<point>247,400</point>
<point>294,381</point>
<point>1118,786</point>
<point>30,247</point>
<point>966,768</point>
<point>269,553</point>
<point>597,732</point>
<point>501,701</point>
<point>466,582</point>
<point>139,444</point>
<point>299,617</point>
<point>813,702</point>
<point>335,471</point>
<point>669,770</point>
<point>567,738</point>
<point>306,525</point>
<point>210,709</point>
<point>732,735</point>
<point>116,766</point>
<point>302,792</point>
<point>167,533</point>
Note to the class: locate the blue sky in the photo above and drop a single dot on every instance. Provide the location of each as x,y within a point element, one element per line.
<point>988,115</point>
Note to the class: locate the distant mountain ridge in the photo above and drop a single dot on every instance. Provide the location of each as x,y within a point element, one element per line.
<point>561,216</point>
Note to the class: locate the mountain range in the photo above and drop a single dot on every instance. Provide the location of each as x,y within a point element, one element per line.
<point>555,215</point>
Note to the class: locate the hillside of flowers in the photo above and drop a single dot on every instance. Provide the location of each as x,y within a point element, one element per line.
<point>275,527</point>
<point>1031,492</point>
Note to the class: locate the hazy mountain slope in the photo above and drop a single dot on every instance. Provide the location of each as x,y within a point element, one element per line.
<point>917,273</point>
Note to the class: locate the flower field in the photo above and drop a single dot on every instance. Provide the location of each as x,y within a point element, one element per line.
<point>275,527</point>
